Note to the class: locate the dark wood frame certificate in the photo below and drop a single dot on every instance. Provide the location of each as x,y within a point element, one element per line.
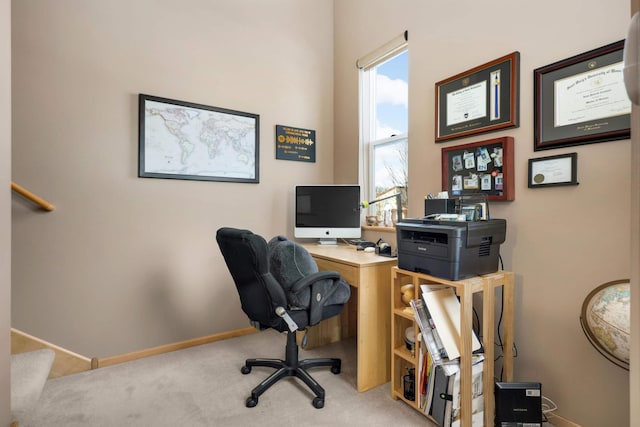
<point>482,99</point>
<point>484,167</point>
<point>581,100</point>
<point>553,171</point>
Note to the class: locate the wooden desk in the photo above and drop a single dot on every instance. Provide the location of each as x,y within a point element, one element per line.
<point>366,316</point>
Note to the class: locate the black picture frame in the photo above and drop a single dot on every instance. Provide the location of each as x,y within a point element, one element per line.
<point>480,100</point>
<point>185,140</point>
<point>296,144</point>
<point>480,168</point>
<point>581,100</point>
<point>553,171</point>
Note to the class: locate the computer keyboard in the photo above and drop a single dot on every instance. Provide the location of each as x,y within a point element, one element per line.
<point>361,243</point>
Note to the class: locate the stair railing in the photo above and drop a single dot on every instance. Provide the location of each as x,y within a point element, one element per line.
<point>32,197</point>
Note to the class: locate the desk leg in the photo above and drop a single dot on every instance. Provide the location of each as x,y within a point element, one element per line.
<point>374,328</point>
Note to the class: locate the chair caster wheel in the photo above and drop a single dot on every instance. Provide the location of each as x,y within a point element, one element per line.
<point>335,370</point>
<point>251,402</point>
<point>245,370</point>
<point>318,402</point>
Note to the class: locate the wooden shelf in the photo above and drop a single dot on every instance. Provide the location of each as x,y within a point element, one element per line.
<point>402,359</point>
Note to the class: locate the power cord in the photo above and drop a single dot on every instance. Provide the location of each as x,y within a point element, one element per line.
<point>548,405</point>
<point>500,344</point>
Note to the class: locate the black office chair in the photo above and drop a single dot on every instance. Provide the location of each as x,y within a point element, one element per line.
<point>280,305</point>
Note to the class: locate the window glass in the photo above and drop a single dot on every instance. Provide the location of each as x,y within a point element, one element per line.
<point>392,97</point>
<point>385,121</point>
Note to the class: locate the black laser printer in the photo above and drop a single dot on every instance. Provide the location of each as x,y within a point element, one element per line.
<point>451,250</point>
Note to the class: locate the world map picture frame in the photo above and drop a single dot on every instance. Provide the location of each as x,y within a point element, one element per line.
<point>190,141</point>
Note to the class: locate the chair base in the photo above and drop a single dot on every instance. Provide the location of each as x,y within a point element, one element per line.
<point>290,367</point>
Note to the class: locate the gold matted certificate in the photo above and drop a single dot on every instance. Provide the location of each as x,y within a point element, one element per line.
<point>592,95</point>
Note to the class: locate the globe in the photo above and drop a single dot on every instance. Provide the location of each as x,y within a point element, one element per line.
<point>606,321</point>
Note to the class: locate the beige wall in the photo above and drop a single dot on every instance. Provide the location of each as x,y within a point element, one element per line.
<point>5,212</point>
<point>561,242</point>
<point>634,374</point>
<point>126,263</point>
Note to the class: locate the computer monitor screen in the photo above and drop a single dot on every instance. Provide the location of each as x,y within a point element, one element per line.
<point>327,212</point>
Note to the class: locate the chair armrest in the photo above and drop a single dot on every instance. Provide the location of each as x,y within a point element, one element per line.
<point>322,285</point>
<point>309,280</point>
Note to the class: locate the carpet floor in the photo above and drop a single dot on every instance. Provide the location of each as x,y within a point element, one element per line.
<point>203,386</point>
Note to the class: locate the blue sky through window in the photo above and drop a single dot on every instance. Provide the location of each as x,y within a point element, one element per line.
<point>392,96</point>
<point>391,99</point>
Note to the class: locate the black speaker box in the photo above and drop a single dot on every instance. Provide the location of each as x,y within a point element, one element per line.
<point>518,404</point>
<point>439,206</point>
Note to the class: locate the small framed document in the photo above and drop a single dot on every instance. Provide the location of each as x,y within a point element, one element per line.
<point>479,100</point>
<point>581,100</point>
<point>553,170</point>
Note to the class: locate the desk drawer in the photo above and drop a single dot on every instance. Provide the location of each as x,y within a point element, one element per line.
<point>348,272</point>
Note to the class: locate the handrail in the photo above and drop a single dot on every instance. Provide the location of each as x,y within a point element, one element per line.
<point>29,195</point>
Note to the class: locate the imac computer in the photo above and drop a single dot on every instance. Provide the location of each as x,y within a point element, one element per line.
<point>327,212</point>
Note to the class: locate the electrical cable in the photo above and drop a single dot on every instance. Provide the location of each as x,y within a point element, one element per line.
<point>548,405</point>
<point>500,343</point>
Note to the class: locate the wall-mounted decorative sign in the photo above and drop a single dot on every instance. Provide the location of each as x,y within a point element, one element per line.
<point>183,140</point>
<point>553,170</point>
<point>581,100</point>
<point>484,167</point>
<point>479,100</point>
<point>295,144</point>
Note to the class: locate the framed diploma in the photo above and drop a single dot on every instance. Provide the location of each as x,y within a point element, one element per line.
<point>581,100</point>
<point>553,170</point>
<point>479,100</point>
<point>480,168</point>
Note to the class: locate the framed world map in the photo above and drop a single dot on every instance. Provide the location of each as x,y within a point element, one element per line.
<point>184,140</point>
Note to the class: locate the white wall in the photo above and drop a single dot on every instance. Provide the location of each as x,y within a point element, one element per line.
<point>126,263</point>
<point>5,212</point>
<point>561,242</point>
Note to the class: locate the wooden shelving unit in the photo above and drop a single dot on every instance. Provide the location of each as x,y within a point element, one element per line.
<point>402,318</point>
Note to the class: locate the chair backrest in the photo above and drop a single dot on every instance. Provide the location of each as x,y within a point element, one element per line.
<point>247,259</point>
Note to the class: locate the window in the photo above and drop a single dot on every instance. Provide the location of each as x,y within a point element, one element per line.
<point>384,118</point>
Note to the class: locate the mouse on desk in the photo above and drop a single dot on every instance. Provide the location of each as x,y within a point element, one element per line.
<point>370,249</point>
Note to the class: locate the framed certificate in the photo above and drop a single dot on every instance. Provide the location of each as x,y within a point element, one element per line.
<point>553,170</point>
<point>479,100</point>
<point>581,100</point>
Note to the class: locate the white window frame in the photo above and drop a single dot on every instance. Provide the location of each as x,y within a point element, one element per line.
<point>367,110</point>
